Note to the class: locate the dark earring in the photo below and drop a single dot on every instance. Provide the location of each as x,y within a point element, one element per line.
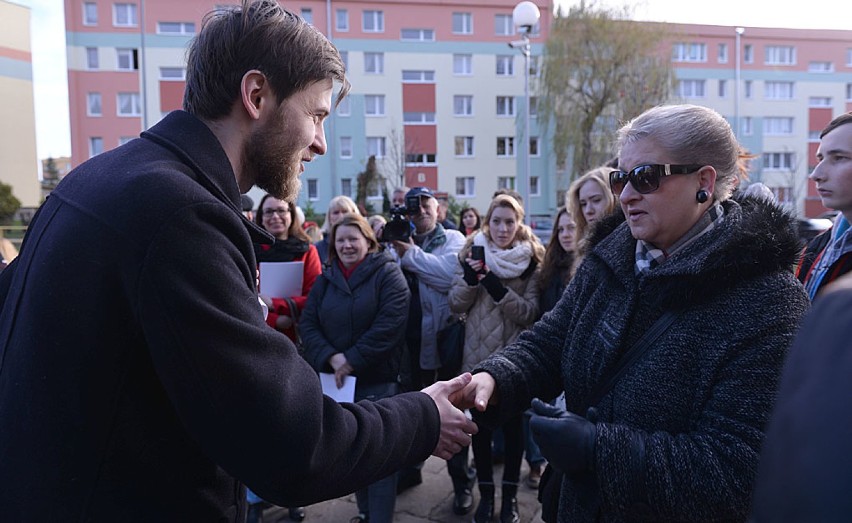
<point>702,196</point>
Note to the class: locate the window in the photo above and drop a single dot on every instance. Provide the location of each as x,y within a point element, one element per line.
<point>849,57</point>
<point>344,56</point>
<point>465,186</point>
<point>747,89</point>
<point>534,146</point>
<point>535,65</point>
<point>505,65</point>
<point>346,186</point>
<point>374,21</point>
<point>691,52</point>
<point>124,15</point>
<point>783,195</point>
<point>308,15</point>
<point>535,187</point>
<point>463,105</point>
<point>746,126</point>
<point>92,61</point>
<point>723,53</point>
<point>313,189</point>
<point>813,136</point>
<point>723,88</point>
<point>418,118</point>
<point>417,35</point>
<point>748,54</point>
<point>463,64</point>
<point>176,28</point>
<point>418,77</point>
<point>374,63</point>
<point>778,90</point>
<point>90,13</point>
<point>127,59</point>
<point>376,146</point>
<point>345,107</point>
<point>420,159</point>
<point>505,106</point>
<point>533,106</point>
<point>462,23</point>
<point>124,139</point>
<point>503,25</point>
<point>780,55</point>
<point>93,104</point>
<point>464,146</point>
<point>346,147</point>
<point>374,190</point>
<point>848,92</point>
<point>819,101</point>
<point>777,125</point>
<point>820,67</point>
<point>505,146</point>
<point>128,104</point>
<point>173,73</point>
<point>778,161</point>
<point>341,21</point>
<point>374,105</point>
<point>506,182</point>
<point>96,145</point>
<point>690,88</point>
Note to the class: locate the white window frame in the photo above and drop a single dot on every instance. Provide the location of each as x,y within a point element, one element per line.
<point>344,108</point>
<point>508,145</point>
<point>462,23</point>
<point>421,159</point>
<point>537,142</point>
<point>774,90</point>
<point>723,88</point>
<point>374,63</point>
<point>503,25</point>
<point>377,146</point>
<point>465,186</point>
<point>373,21</point>
<point>535,186</point>
<point>93,61</point>
<point>748,91</point>
<point>96,145</point>
<point>412,34</point>
<point>346,186</point>
<point>723,53</point>
<point>133,100</point>
<point>691,88</point>
<point>779,55</point>
<point>748,54</point>
<point>746,126</point>
<point>462,64</point>
<point>172,74</point>
<point>505,106</point>
<point>124,139</point>
<point>778,161</point>
<point>345,147</point>
<point>175,28</point>
<point>504,65</point>
<point>848,92</point>
<point>418,118</point>
<point>778,125</point>
<point>94,104</point>
<point>418,77</point>
<point>126,11</point>
<point>463,102</point>
<point>307,15</point>
<point>819,101</point>
<point>313,189</point>
<point>463,146</point>
<point>124,54</point>
<point>90,13</point>
<point>849,57</point>
<point>693,52</point>
<point>820,66</point>
<point>533,106</point>
<point>506,182</point>
<point>374,105</point>
<point>341,20</point>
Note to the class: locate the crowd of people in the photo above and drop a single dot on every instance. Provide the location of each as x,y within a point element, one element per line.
<point>640,354</point>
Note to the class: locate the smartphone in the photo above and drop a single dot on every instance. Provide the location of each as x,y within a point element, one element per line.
<point>477,252</point>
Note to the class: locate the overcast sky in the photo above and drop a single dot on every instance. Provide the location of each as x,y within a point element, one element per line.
<point>50,77</point>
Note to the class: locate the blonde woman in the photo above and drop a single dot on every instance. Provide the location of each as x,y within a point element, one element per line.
<point>338,207</point>
<point>589,199</point>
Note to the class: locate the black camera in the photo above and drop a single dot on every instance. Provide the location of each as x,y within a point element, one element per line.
<point>399,227</point>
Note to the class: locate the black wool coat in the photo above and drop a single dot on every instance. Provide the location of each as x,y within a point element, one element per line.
<point>138,379</point>
<point>679,434</point>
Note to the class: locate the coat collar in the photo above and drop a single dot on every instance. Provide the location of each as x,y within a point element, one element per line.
<point>195,144</point>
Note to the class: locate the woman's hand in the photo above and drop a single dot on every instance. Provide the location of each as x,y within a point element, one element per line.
<point>283,322</point>
<point>341,367</point>
<point>478,394</point>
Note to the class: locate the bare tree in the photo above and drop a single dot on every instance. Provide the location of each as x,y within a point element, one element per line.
<point>599,68</point>
<point>395,161</point>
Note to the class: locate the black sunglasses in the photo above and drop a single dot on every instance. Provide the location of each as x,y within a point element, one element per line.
<point>646,178</point>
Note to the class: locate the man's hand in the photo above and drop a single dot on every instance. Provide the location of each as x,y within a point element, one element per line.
<point>566,440</point>
<point>402,247</point>
<point>456,428</point>
<point>341,367</point>
<point>478,394</point>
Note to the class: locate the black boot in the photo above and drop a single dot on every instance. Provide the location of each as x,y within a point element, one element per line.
<point>485,509</point>
<point>509,504</point>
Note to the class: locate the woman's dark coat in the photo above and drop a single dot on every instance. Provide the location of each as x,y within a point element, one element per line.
<point>678,436</point>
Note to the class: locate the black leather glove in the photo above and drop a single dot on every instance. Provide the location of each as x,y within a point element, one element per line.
<point>494,286</point>
<point>469,274</point>
<point>566,440</point>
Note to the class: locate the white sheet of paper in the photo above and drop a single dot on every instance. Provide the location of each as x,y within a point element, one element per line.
<point>329,388</point>
<point>281,279</point>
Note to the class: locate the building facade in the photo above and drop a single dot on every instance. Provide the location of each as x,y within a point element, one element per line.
<point>18,157</point>
<point>438,96</point>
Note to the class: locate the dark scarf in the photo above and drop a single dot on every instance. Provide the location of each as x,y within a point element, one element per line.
<point>282,250</point>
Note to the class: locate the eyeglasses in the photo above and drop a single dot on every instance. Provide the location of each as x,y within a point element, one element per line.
<point>271,212</point>
<point>646,178</point>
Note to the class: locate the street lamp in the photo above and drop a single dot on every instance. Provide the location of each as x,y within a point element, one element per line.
<point>525,15</point>
<point>739,32</point>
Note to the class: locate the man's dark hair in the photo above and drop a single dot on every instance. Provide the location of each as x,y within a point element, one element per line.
<point>843,119</point>
<point>262,35</point>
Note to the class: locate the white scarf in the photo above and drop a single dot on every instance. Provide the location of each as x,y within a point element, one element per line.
<point>505,263</point>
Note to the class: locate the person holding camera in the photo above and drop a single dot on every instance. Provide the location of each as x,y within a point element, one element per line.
<point>498,288</point>
<point>429,260</point>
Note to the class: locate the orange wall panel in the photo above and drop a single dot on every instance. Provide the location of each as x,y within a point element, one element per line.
<point>171,95</point>
<point>418,98</point>
<point>421,138</point>
<point>421,177</point>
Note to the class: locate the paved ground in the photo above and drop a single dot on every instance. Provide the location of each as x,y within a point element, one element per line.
<point>430,501</point>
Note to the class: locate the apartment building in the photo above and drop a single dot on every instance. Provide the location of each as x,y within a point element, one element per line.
<point>18,158</point>
<point>438,96</point>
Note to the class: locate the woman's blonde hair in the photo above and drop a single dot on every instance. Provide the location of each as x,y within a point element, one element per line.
<point>338,202</point>
<point>523,234</point>
<point>598,176</point>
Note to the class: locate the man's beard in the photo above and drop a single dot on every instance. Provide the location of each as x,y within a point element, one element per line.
<point>267,161</point>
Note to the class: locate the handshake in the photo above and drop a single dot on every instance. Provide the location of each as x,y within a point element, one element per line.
<point>452,397</point>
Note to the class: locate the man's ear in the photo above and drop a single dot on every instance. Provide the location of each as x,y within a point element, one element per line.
<point>707,178</point>
<point>254,92</point>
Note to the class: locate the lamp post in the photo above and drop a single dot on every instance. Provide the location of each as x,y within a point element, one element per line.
<point>739,34</point>
<point>525,15</point>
